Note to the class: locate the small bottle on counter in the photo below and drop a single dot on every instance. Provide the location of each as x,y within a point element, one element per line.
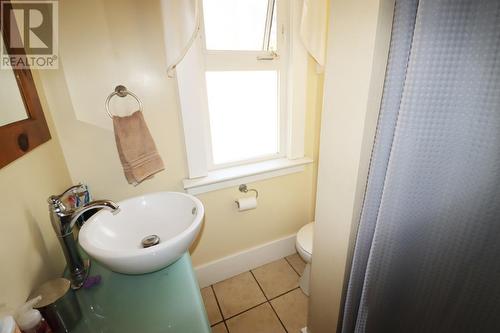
<point>30,320</point>
<point>8,325</point>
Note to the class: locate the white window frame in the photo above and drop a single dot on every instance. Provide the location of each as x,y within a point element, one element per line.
<point>203,175</point>
<point>227,60</point>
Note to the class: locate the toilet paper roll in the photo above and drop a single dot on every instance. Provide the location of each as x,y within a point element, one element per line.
<point>246,203</point>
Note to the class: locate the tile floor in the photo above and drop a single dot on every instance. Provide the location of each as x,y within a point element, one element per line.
<point>264,300</point>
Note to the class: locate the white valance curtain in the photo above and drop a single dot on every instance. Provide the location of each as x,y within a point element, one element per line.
<point>181,20</point>
<point>313,28</point>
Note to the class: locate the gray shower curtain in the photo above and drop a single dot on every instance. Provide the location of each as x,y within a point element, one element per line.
<point>427,254</point>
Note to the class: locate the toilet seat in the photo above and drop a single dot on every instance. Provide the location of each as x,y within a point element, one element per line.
<point>304,241</point>
<point>304,245</point>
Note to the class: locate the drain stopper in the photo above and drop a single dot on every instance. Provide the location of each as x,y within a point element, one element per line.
<point>150,240</point>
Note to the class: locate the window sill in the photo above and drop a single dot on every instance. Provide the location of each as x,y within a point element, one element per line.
<point>233,176</point>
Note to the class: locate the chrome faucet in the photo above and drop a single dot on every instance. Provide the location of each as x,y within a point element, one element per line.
<point>63,220</point>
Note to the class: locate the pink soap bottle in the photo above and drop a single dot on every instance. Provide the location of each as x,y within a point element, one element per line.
<point>30,320</point>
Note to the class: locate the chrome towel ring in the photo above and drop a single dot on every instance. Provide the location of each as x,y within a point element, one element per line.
<point>121,91</point>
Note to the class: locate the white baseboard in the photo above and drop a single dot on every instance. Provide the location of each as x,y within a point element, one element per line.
<point>224,268</point>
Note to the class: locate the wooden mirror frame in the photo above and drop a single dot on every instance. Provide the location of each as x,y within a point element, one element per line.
<point>20,137</point>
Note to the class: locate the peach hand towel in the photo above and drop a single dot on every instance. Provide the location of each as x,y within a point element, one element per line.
<point>136,148</point>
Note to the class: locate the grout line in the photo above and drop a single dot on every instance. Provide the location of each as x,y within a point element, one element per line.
<point>270,299</point>
<point>261,303</point>
<point>224,320</point>
<point>242,312</point>
<point>253,307</point>
<point>259,285</point>
<point>289,263</point>
<point>276,313</point>
<point>217,323</point>
<point>287,292</point>
<point>218,305</point>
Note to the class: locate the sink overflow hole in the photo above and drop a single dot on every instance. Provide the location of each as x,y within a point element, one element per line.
<point>150,240</point>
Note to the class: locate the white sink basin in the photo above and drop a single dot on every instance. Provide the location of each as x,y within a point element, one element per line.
<point>116,240</point>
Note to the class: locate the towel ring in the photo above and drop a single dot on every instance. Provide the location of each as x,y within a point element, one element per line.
<point>121,91</point>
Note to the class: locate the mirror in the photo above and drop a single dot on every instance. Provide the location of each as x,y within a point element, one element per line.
<point>12,107</point>
<point>22,122</point>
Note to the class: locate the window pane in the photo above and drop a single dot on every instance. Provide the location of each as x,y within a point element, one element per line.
<point>243,112</point>
<point>235,24</point>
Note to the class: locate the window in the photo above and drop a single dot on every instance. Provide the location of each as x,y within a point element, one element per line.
<point>245,77</point>
<point>242,94</point>
<point>243,112</point>
<point>243,25</point>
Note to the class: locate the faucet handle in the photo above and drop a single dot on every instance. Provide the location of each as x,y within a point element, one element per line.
<point>73,189</point>
<point>55,204</point>
<point>56,200</point>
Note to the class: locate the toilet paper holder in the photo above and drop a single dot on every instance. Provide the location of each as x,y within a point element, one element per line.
<point>244,189</point>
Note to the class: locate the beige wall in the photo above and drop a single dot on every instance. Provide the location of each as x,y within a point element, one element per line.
<point>29,250</point>
<point>12,103</point>
<point>358,42</point>
<point>124,44</point>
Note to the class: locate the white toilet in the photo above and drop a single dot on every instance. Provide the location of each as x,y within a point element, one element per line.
<point>304,245</point>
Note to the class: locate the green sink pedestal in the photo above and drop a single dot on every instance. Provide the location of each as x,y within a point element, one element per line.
<point>165,301</point>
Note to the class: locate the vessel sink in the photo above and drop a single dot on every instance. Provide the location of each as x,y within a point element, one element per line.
<point>148,232</point>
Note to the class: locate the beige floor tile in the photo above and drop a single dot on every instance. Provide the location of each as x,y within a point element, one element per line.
<point>292,310</point>
<point>214,315</point>
<point>276,278</point>
<point>297,263</point>
<point>238,294</point>
<point>219,328</point>
<point>261,319</point>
